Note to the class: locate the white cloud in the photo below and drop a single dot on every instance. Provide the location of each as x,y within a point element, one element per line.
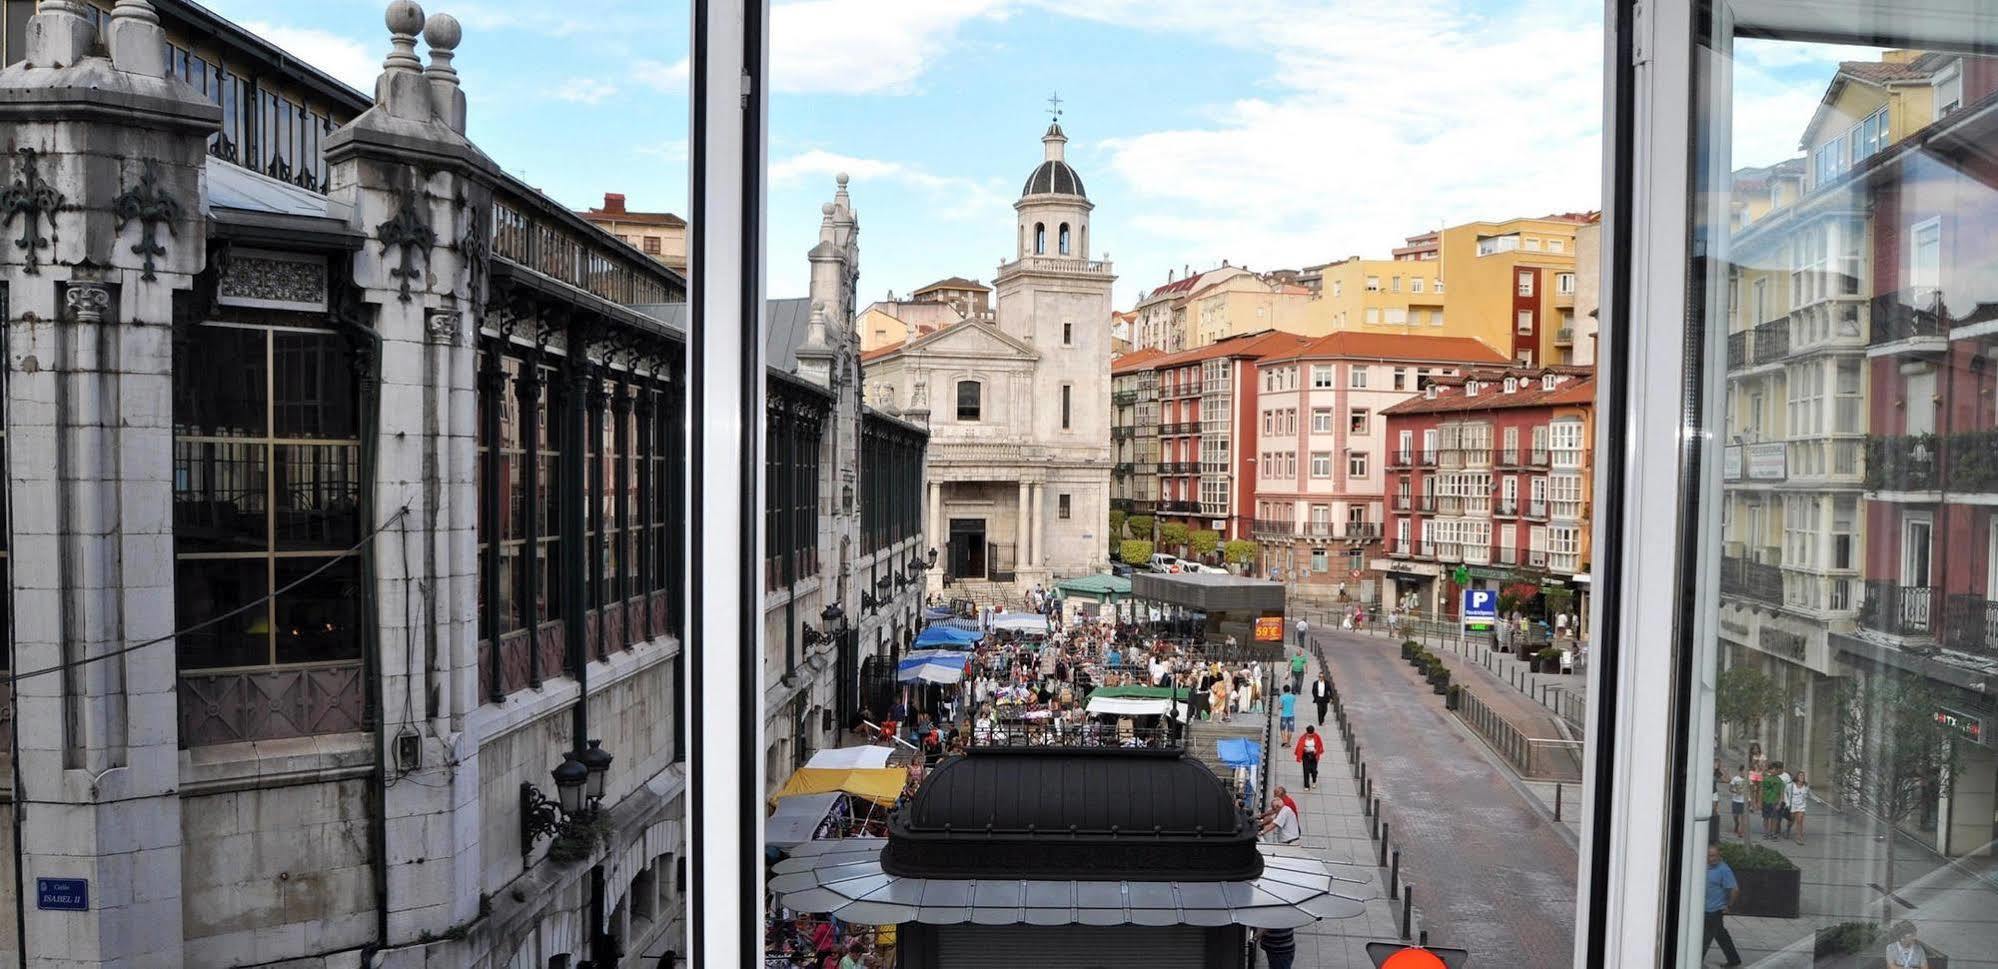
<point>952,197</point>
<point>865,46</point>
<point>584,90</point>
<point>343,57</point>
<point>659,75</point>
<point>1358,144</point>
<point>674,150</point>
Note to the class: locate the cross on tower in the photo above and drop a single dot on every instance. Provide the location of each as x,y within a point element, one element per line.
<point>1054,105</point>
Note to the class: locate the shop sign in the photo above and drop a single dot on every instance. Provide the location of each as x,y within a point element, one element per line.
<point>1780,643</point>
<point>1269,629</point>
<point>1738,630</point>
<point>1731,463</point>
<point>1480,572</point>
<point>1963,723</point>
<point>1767,462</point>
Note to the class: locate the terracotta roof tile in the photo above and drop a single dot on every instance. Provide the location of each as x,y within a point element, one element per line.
<point>881,351</point>
<point>1881,72</point>
<point>1452,400</point>
<point>1136,360</point>
<point>954,282</point>
<point>1252,345</point>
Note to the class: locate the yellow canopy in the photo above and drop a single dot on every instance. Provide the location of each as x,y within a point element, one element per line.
<point>879,784</point>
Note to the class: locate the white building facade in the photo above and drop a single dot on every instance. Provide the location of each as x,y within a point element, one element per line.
<point>1018,469</point>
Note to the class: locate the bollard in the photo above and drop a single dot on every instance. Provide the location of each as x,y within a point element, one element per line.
<point>1363,775</point>
<point>1407,911</point>
<point>1384,845</point>
<point>1394,875</point>
<point>1422,938</point>
<point>1557,801</point>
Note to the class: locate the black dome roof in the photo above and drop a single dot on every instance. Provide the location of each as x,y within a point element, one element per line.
<point>1090,814</point>
<point>1054,178</point>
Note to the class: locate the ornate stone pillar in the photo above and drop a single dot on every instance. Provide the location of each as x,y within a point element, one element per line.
<point>1022,534</point>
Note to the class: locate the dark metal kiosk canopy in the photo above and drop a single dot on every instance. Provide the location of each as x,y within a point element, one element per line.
<point>1211,593</point>
<point>1073,813</point>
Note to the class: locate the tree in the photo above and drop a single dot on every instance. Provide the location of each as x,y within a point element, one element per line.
<point>1172,535</point>
<point>1116,525</point>
<point>1744,696</point>
<point>1893,753</point>
<point>1239,551</point>
<point>1140,526</point>
<point>1135,551</point>
<point>1203,542</point>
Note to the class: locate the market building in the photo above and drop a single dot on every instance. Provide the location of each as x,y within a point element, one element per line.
<point>344,575</point>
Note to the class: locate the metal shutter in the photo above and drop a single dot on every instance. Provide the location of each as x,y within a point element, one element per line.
<point>1071,947</point>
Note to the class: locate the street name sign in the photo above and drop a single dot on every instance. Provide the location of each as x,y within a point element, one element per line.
<point>62,894</point>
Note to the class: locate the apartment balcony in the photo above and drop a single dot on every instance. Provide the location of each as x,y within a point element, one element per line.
<point>1426,504</point>
<point>1400,459</point>
<point>1122,469</point>
<point>1190,388</point>
<point>1536,509</point>
<point>1505,509</point>
<point>1900,610</point>
<point>1363,531</point>
<point>1426,551</point>
<point>1425,459</point>
<point>1737,350</point>
<point>1905,463</point>
<point>1271,528</point>
<point>1123,432</point>
<point>1970,624</point>
<point>1319,530</point>
<point>1508,457</point>
<point>1508,555</point>
<point>1403,502</point>
<point>1972,461</point>
<point>1124,398</point>
<point>1538,458</point>
<point>1536,558</point>
<point>1772,341</point>
<point>1477,457</point>
<point>1179,507</point>
<point>1179,467</point>
<point>1895,320</point>
<point>1564,337</point>
<point>1184,427</point>
<point>1121,504</point>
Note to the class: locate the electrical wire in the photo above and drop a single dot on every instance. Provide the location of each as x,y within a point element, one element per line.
<point>239,610</point>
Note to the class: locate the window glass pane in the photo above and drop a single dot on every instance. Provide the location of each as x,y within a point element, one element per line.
<point>321,619</point>
<point>219,496</point>
<point>317,495</point>
<point>314,385</point>
<point>1842,770</point>
<point>219,382</point>
<point>207,588</point>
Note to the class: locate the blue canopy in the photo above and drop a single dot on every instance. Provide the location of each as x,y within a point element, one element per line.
<point>937,612</point>
<point>1238,752</point>
<point>947,636</point>
<point>931,666</point>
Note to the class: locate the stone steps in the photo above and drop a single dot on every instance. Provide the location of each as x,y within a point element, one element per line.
<point>1202,735</point>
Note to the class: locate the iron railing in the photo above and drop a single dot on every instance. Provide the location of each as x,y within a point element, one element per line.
<point>1772,341</point>
<point>1900,610</point>
<point>1894,320</point>
<point>1905,463</point>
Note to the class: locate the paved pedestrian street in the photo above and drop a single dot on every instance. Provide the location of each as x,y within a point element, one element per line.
<point>1492,870</point>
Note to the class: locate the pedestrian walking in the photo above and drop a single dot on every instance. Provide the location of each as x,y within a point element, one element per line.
<point>1297,672</point>
<point>1303,630</point>
<point>1773,783</point>
<point>1722,892</point>
<point>1280,947</point>
<point>1799,793</point>
<point>1321,696</point>
<point>1737,792</point>
<point>1287,715</point>
<point>1310,748</point>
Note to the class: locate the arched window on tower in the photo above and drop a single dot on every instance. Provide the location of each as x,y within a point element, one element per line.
<point>1063,239</point>
<point>1040,239</point>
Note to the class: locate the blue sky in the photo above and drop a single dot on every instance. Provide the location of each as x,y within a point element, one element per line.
<point>1267,132</point>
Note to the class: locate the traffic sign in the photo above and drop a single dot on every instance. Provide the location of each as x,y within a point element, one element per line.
<point>1480,609</point>
<point>1395,955</point>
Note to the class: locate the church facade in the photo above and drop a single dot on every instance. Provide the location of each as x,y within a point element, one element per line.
<point>1017,479</point>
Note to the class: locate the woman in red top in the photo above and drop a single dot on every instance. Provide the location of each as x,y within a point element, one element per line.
<point>1310,747</point>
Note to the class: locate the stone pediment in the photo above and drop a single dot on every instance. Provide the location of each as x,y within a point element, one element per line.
<point>973,339</point>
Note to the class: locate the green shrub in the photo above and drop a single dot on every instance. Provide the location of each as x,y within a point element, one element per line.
<point>1846,937</point>
<point>1411,644</point>
<point>1551,654</point>
<point>1117,524</point>
<point>1172,535</point>
<point>1140,526</point>
<point>1135,551</point>
<point>1203,542</point>
<point>1754,857</point>
<point>1240,551</point>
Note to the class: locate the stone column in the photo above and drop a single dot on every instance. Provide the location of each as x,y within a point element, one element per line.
<point>1023,535</point>
<point>417,282</point>
<point>103,232</point>
<point>937,526</point>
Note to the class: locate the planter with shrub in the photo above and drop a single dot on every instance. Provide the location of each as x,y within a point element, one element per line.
<point>1771,885</point>
<point>1860,945</point>
<point>1547,660</point>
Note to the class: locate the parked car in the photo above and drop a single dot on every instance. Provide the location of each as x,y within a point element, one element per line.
<point>1121,569</point>
<point>1162,562</point>
<point>1208,569</point>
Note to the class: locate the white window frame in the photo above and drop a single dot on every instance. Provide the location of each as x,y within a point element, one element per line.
<point>1356,377</point>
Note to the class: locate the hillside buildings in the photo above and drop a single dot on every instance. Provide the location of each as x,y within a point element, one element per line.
<point>659,235</point>
<point>1018,405</point>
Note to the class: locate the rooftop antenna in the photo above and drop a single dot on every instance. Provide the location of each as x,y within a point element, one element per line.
<point>1054,106</point>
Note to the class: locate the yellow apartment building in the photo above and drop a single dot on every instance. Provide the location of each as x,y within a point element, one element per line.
<point>1246,303</point>
<point>1512,284</point>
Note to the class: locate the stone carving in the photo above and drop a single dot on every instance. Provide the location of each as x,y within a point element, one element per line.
<point>919,397</point>
<point>442,327</point>
<point>409,230</point>
<point>32,199</point>
<point>87,302</point>
<point>153,208</point>
<point>263,278</point>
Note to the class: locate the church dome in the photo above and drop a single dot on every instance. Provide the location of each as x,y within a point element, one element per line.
<point>1054,178</point>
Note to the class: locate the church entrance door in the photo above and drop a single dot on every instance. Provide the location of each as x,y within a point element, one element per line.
<point>967,549</point>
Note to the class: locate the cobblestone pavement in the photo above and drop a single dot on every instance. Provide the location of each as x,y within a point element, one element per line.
<point>1500,871</point>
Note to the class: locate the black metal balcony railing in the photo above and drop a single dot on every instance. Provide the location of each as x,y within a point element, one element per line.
<point>1895,320</point>
<point>1772,341</point>
<point>1124,398</point>
<point>1536,509</point>
<point>1179,507</point>
<point>1121,469</point>
<point>1183,427</point>
<point>1508,555</point>
<point>1906,463</point>
<point>1970,624</point>
<point>1123,432</point>
<point>1363,531</point>
<point>1508,457</point>
<point>1400,459</point>
<point>1273,527</point>
<point>1539,457</point>
<point>1505,509</point>
<point>1737,350</point>
<point>1403,502</point>
<point>1972,460</point>
<point>1179,467</point>
<point>1425,459</point>
<point>1426,503</point>
<point>1900,610</point>
<point>1752,580</point>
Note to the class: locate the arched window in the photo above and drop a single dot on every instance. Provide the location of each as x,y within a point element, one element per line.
<point>1040,239</point>
<point>1062,240</point>
<point>968,399</point>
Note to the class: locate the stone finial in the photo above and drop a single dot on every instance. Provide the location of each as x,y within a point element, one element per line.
<point>401,90</point>
<point>137,43</point>
<point>60,34</point>
<point>404,18</point>
<point>826,222</point>
<point>442,33</point>
<point>842,203</point>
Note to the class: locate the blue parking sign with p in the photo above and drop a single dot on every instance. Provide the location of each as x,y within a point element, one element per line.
<point>1480,609</point>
